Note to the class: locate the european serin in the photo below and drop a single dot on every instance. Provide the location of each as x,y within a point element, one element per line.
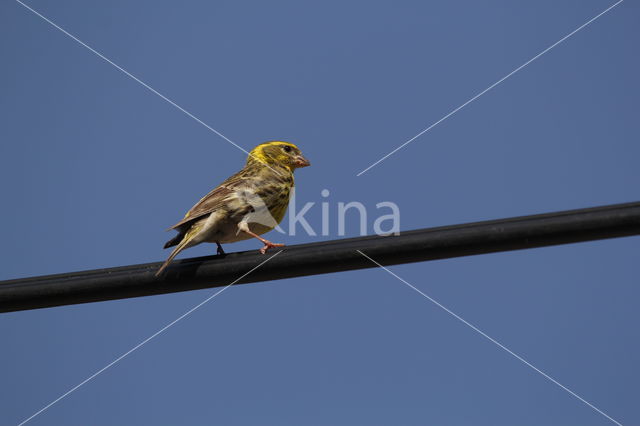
<point>246,205</point>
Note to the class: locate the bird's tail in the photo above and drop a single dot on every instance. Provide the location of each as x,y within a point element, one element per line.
<point>173,254</point>
<point>184,240</point>
<point>175,240</point>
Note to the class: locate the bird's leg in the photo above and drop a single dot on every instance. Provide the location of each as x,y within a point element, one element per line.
<point>220,251</point>
<point>267,244</point>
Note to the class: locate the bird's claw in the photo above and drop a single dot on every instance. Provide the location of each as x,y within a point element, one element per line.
<point>268,245</point>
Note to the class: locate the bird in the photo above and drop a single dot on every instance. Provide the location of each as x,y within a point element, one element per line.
<point>246,205</point>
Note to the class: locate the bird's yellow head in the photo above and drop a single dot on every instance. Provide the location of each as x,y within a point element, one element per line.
<point>278,153</point>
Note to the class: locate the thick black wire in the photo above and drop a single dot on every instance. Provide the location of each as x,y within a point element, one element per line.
<point>524,232</point>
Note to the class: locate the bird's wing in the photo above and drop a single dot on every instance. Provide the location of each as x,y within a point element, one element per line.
<point>214,200</point>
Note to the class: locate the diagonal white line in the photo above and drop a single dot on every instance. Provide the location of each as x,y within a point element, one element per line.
<point>136,347</point>
<point>491,87</point>
<point>128,74</point>
<point>492,340</point>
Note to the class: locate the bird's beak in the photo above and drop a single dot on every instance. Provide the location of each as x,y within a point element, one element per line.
<point>300,161</point>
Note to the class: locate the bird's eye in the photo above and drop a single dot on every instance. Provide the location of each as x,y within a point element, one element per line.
<point>286,148</point>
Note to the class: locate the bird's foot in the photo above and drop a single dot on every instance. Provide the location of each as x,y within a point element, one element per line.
<point>219,251</point>
<point>268,245</point>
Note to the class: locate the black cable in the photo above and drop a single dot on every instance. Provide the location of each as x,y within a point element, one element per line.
<point>323,257</point>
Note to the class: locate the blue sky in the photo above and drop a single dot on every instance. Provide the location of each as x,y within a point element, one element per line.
<point>94,167</point>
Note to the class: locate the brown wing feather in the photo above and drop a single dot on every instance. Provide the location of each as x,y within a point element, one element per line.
<point>213,200</point>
